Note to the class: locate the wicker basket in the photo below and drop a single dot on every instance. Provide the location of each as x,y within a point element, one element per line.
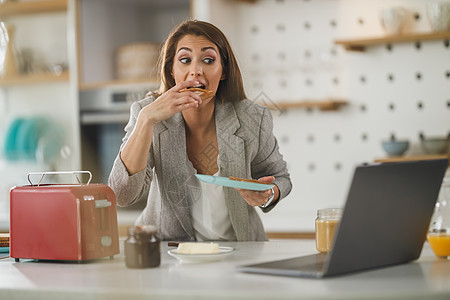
<point>137,61</point>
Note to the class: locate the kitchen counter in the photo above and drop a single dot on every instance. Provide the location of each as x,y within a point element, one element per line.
<point>427,277</point>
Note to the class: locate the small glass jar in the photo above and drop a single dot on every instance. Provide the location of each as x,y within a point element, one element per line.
<point>142,247</point>
<point>327,222</point>
<point>439,233</point>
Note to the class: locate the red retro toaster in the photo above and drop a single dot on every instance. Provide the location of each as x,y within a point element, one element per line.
<point>63,221</point>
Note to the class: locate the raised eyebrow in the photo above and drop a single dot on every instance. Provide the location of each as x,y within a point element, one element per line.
<point>208,48</point>
<point>184,48</point>
<point>203,49</point>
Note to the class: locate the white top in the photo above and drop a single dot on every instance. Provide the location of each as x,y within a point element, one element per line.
<point>210,216</point>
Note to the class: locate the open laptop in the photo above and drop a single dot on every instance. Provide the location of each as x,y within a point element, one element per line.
<point>385,221</point>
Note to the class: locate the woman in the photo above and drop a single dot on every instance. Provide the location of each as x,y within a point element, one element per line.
<point>175,134</point>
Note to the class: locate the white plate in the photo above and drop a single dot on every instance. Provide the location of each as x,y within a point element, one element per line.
<point>201,258</point>
<point>225,181</point>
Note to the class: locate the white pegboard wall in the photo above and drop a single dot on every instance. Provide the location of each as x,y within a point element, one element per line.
<point>279,54</point>
<point>287,53</point>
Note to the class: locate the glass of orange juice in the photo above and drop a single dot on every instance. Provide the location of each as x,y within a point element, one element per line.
<point>440,243</point>
<point>439,234</point>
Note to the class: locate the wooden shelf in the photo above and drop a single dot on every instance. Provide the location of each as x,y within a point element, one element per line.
<point>33,79</point>
<point>101,84</point>
<point>9,9</point>
<point>323,105</point>
<point>412,157</point>
<point>291,235</point>
<point>361,44</point>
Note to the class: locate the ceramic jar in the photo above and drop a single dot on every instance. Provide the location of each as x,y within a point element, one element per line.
<point>142,247</point>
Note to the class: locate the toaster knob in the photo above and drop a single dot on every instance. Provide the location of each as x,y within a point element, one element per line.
<point>106,241</point>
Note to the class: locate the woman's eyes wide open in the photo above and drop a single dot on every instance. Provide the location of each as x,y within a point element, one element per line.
<point>206,60</point>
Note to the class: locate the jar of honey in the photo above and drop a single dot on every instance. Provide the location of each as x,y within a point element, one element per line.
<point>142,247</point>
<point>327,222</point>
<point>439,234</point>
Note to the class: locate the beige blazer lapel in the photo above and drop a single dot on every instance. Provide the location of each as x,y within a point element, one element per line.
<point>175,177</point>
<point>231,162</point>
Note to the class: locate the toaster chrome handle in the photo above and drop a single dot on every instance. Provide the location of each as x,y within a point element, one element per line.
<point>59,173</point>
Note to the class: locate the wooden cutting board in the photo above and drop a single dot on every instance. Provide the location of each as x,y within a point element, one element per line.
<point>4,239</point>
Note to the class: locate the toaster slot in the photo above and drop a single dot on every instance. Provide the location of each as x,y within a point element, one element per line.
<point>102,205</point>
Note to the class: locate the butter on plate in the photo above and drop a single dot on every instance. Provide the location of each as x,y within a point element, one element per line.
<point>198,248</point>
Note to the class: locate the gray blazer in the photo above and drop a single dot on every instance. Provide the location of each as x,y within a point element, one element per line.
<point>247,149</point>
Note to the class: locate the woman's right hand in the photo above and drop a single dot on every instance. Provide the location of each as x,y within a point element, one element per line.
<point>135,152</point>
<point>171,102</point>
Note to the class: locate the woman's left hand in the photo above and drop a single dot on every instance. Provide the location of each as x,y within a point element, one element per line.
<point>258,198</point>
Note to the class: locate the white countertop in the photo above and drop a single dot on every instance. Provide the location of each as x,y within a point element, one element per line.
<point>428,278</point>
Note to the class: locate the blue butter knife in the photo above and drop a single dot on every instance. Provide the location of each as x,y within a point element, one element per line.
<point>225,181</point>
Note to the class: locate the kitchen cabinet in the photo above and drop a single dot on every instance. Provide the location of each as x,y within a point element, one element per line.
<point>46,89</point>
<point>105,25</point>
<point>103,28</point>
<point>360,44</point>
<point>44,86</point>
<point>10,10</point>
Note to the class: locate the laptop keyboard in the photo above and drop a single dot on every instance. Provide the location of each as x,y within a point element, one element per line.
<point>310,266</point>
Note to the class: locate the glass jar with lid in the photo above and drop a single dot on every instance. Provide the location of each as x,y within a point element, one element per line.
<point>439,233</point>
<point>327,222</point>
<point>142,247</point>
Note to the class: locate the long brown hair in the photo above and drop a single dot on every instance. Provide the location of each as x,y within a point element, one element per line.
<point>231,88</point>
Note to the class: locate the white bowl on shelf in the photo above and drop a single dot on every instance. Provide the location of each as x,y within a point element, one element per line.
<point>393,20</point>
<point>435,145</point>
<point>439,16</point>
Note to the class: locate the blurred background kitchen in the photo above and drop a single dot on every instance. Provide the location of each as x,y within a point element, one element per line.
<point>348,81</point>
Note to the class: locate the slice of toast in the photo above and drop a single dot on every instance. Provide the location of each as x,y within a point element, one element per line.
<point>204,94</point>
